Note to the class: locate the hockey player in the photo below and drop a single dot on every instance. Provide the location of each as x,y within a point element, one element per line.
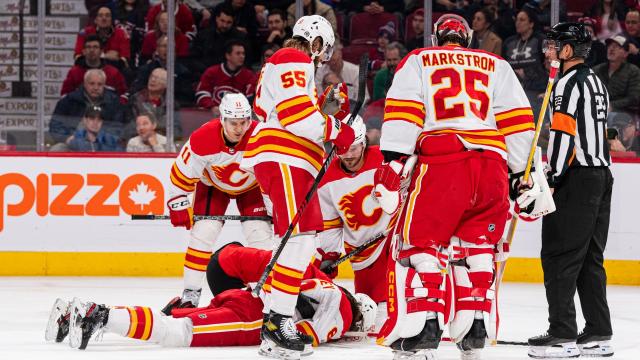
<point>466,116</point>
<point>352,217</point>
<point>233,318</point>
<point>285,153</point>
<point>208,166</point>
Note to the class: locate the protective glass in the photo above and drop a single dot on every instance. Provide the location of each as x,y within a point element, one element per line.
<point>550,44</point>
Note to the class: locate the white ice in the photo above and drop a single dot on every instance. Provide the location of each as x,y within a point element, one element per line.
<point>26,302</point>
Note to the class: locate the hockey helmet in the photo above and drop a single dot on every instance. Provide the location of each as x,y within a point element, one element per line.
<point>451,28</point>
<point>573,33</point>
<point>360,130</point>
<point>234,106</point>
<point>368,309</point>
<point>312,26</point>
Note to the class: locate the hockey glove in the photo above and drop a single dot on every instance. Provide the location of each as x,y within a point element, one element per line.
<point>326,266</point>
<point>180,211</point>
<point>386,182</point>
<point>344,139</point>
<point>342,96</point>
<point>335,96</point>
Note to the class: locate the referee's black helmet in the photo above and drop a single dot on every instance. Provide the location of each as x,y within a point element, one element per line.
<point>574,34</point>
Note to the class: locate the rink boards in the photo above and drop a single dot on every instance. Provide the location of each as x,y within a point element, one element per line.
<point>71,215</point>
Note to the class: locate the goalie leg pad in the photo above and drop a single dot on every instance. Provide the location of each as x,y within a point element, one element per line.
<point>473,280</point>
<point>415,303</point>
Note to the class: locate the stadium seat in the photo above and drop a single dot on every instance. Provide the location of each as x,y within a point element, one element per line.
<point>353,52</point>
<point>365,25</point>
<point>193,118</point>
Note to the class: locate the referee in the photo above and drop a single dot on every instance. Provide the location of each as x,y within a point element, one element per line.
<point>575,235</point>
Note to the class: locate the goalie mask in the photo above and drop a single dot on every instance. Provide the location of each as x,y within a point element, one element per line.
<point>312,26</point>
<point>451,28</point>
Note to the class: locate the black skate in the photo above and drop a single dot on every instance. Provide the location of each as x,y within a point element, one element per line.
<point>428,338</point>
<point>594,345</point>
<point>280,338</point>
<point>86,320</point>
<point>190,299</point>
<point>58,325</point>
<point>475,338</point>
<point>548,346</point>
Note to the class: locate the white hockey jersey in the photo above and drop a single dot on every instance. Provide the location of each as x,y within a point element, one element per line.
<point>471,93</point>
<point>349,212</point>
<point>293,130</point>
<point>205,157</point>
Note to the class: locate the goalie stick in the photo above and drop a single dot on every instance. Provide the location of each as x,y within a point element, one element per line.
<point>362,84</point>
<point>203,217</point>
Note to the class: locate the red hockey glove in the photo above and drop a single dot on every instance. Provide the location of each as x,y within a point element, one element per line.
<point>387,185</point>
<point>180,212</point>
<point>326,266</point>
<point>344,139</point>
<point>343,98</point>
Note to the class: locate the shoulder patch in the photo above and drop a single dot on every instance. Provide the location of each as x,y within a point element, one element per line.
<point>289,55</point>
<point>207,139</point>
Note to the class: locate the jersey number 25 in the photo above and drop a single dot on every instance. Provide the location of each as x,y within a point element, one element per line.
<point>479,100</point>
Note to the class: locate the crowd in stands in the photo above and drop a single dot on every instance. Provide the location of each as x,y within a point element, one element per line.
<point>220,46</point>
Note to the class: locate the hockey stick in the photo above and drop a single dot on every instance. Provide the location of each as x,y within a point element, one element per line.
<point>375,239</point>
<point>527,172</point>
<point>362,83</point>
<point>203,217</point>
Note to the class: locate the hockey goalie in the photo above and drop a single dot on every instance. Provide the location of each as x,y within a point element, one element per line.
<point>465,115</point>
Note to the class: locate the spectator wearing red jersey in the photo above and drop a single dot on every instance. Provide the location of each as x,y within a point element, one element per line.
<point>230,76</point>
<point>160,29</point>
<point>114,41</point>
<point>183,16</point>
<point>91,58</point>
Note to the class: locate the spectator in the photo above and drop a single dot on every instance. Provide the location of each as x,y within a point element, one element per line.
<point>244,16</point>
<point>346,70</point>
<point>183,82</point>
<point>91,137</point>
<point>382,81</point>
<point>129,16</point>
<point>92,59</point>
<point>267,51</point>
<point>152,100</point>
<point>503,15</point>
<point>148,140</point>
<point>278,31</point>
<point>417,24</point>
<point>70,109</point>
<point>621,78</point>
<point>608,19</point>
<point>160,29</point>
<point>523,51</point>
<point>598,52</point>
<point>483,37</point>
<point>632,26</point>
<point>313,7</point>
<point>374,7</point>
<point>542,9</point>
<point>373,130</point>
<point>386,35</point>
<point>613,139</point>
<point>627,132</point>
<point>208,47</point>
<point>230,76</point>
<point>183,17</point>
<point>114,40</point>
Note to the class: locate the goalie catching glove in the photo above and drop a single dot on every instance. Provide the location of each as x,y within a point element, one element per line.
<point>180,212</point>
<point>534,199</point>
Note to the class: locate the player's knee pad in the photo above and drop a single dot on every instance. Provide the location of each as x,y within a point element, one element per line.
<point>258,233</point>
<point>474,294</point>
<point>204,234</point>
<point>413,298</point>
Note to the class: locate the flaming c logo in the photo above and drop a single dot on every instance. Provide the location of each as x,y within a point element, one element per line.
<point>231,174</point>
<point>352,205</point>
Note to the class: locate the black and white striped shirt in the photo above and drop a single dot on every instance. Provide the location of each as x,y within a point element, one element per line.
<point>579,123</point>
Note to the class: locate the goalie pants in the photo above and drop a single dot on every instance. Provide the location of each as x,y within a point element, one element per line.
<point>573,242</point>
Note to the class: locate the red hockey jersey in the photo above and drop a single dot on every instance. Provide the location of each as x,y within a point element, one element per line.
<point>183,16</point>
<point>118,41</point>
<point>217,81</point>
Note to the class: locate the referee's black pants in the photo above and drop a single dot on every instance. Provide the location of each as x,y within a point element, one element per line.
<point>573,242</point>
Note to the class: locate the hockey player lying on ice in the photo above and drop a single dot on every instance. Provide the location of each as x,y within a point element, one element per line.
<point>324,311</point>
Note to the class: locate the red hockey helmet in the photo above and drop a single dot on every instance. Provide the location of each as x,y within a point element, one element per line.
<point>451,28</point>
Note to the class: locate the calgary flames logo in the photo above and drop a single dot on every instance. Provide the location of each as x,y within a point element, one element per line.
<point>231,174</point>
<point>352,205</point>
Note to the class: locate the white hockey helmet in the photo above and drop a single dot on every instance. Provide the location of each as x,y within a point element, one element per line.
<point>312,26</point>
<point>369,309</point>
<point>359,129</point>
<point>234,106</point>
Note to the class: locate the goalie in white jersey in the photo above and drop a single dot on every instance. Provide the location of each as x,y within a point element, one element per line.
<point>465,115</point>
<point>209,167</point>
<point>352,217</point>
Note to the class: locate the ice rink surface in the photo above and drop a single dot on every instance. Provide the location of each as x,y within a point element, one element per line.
<point>26,302</point>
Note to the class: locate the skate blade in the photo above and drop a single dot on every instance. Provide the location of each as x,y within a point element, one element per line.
<point>424,354</point>
<point>270,349</point>
<point>470,354</point>
<point>77,312</point>
<point>596,349</point>
<point>59,308</point>
<point>560,351</point>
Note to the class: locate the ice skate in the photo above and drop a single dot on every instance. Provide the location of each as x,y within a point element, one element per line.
<point>428,338</point>
<point>58,325</point>
<point>86,320</point>
<point>473,354</point>
<point>548,346</point>
<point>190,299</point>
<point>424,354</point>
<point>594,345</point>
<point>280,338</point>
